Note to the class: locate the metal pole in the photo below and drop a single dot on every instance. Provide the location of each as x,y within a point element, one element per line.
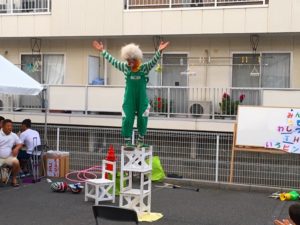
<point>13,100</point>
<point>132,141</point>
<point>169,101</point>
<point>217,158</point>
<point>48,6</point>
<point>105,64</point>
<point>86,100</point>
<point>57,139</point>
<point>11,6</point>
<point>45,99</point>
<point>213,103</point>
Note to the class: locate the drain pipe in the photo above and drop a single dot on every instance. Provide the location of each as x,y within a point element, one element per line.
<point>207,61</point>
<point>217,158</point>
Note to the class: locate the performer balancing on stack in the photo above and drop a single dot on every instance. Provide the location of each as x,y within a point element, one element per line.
<point>135,99</point>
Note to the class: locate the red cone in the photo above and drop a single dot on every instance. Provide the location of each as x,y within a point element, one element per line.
<point>111,154</point>
<point>110,157</point>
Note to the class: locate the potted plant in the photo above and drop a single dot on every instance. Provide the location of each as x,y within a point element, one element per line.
<point>160,105</point>
<point>229,106</point>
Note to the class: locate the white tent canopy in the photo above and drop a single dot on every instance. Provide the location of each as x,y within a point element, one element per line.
<point>14,81</point>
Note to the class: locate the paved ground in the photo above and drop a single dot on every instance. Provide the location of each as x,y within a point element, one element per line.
<point>36,204</point>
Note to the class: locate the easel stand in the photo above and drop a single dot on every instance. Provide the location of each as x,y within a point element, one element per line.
<point>246,149</point>
<point>139,161</point>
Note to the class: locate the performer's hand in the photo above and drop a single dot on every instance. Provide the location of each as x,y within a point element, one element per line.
<point>163,45</point>
<point>98,45</point>
<point>283,222</point>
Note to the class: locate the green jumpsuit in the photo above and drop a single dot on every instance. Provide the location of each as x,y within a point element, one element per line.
<point>135,98</point>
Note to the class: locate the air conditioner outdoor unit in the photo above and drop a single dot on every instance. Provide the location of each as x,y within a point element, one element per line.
<point>201,109</point>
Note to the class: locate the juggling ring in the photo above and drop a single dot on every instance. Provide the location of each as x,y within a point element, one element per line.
<point>83,172</point>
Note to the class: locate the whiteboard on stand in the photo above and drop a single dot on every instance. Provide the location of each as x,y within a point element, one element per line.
<point>257,125</point>
<point>260,129</point>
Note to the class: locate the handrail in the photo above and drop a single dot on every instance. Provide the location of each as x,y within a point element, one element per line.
<point>169,101</point>
<point>167,4</point>
<point>19,7</point>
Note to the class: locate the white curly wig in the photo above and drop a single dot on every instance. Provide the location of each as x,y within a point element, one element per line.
<point>131,51</point>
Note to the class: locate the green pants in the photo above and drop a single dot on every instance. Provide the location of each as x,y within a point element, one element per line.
<point>128,117</point>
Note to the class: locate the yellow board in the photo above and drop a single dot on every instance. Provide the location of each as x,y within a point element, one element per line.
<point>149,217</point>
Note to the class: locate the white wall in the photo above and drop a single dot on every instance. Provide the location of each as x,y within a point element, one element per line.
<point>107,18</point>
<point>154,123</point>
<point>77,51</point>
<point>68,18</point>
<point>281,98</point>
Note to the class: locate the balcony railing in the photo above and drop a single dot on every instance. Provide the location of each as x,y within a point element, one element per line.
<point>176,102</point>
<point>152,4</point>
<point>8,7</point>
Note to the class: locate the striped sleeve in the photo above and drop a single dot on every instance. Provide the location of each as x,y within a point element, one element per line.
<point>150,64</point>
<point>116,63</point>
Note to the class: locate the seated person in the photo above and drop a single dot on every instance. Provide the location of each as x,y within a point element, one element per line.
<point>30,139</point>
<point>294,213</point>
<point>10,144</point>
<point>1,121</point>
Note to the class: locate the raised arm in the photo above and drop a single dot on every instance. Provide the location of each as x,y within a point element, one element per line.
<point>116,63</point>
<point>150,64</point>
<point>163,45</point>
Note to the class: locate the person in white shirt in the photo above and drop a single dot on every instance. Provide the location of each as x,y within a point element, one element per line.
<point>10,144</point>
<point>30,139</point>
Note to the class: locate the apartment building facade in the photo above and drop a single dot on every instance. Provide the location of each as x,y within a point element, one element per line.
<point>248,47</point>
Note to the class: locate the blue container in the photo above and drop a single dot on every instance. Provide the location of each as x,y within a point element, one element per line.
<point>98,81</point>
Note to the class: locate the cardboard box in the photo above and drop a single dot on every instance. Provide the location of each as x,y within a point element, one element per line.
<point>57,163</point>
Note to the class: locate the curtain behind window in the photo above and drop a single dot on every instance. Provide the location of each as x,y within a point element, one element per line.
<point>94,68</point>
<point>275,73</point>
<point>173,74</point>
<point>53,69</point>
<point>275,70</point>
<point>243,65</point>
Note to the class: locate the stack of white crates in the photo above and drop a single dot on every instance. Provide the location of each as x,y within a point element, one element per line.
<point>137,161</point>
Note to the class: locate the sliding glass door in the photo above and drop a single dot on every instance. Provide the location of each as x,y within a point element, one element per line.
<point>265,70</point>
<point>44,68</point>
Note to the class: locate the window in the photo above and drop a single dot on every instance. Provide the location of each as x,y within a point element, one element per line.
<point>94,70</point>
<point>270,70</point>
<point>44,68</point>
<point>265,70</point>
<point>54,69</point>
<point>275,70</point>
<point>174,65</point>
<point>171,73</point>
<point>154,75</point>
